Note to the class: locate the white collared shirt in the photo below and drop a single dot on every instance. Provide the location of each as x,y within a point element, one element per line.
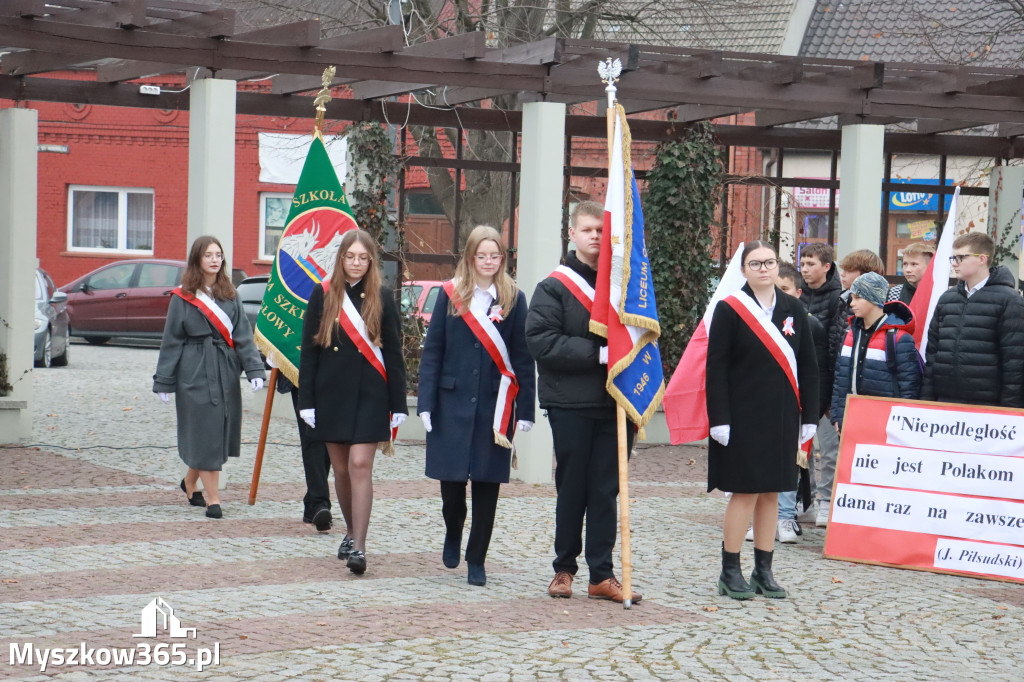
<point>770,310</point>
<point>482,299</point>
<point>973,290</point>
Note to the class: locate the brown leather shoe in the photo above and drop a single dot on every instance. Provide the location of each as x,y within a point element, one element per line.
<point>561,586</point>
<point>609,589</point>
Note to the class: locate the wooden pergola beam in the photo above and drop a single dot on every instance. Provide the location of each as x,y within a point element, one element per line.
<point>465,45</point>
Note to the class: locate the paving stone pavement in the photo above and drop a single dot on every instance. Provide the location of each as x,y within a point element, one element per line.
<point>93,527</point>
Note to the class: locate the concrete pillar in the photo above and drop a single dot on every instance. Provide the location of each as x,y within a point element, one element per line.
<point>211,163</point>
<point>861,171</point>
<point>1005,190</point>
<point>540,246</point>
<point>19,139</point>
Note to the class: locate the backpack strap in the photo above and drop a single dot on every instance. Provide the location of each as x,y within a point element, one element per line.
<point>890,359</point>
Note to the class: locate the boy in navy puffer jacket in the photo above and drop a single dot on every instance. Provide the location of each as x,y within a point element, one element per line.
<point>878,356</point>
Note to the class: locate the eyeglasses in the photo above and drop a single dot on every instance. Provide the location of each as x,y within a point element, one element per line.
<point>488,257</point>
<point>360,258</point>
<point>769,264</point>
<point>213,256</point>
<point>959,258</point>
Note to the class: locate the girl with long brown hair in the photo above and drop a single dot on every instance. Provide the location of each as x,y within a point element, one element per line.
<point>352,379</point>
<point>476,387</point>
<point>207,342</point>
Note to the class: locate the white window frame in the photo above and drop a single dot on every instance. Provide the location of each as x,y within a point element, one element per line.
<point>263,220</point>
<point>122,218</point>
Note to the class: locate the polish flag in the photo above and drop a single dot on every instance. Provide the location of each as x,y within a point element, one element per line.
<point>686,409</point>
<point>935,281</point>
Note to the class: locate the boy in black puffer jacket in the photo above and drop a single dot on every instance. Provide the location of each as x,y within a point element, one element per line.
<point>975,351</point>
<point>878,356</point>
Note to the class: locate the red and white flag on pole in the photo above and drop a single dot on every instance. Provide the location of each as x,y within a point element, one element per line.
<point>686,409</point>
<point>935,281</point>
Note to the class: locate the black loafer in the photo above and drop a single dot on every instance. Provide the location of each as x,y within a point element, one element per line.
<point>197,499</point>
<point>213,511</point>
<point>345,548</point>
<point>322,519</point>
<point>357,562</point>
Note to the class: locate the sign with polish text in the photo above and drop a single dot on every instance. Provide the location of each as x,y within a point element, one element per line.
<point>930,486</point>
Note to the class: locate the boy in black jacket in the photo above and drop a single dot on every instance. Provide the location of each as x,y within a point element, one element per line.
<point>975,351</point>
<point>573,367</point>
<point>821,298</point>
<point>790,282</point>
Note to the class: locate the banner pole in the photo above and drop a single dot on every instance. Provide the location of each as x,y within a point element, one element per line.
<point>268,406</point>
<point>627,559</point>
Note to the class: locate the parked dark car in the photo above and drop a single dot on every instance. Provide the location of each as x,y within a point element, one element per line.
<point>51,323</point>
<point>128,298</point>
<point>250,293</point>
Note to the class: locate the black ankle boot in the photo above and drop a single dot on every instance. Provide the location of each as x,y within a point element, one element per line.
<point>762,579</point>
<point>452,548</point>
<point>731,581</point>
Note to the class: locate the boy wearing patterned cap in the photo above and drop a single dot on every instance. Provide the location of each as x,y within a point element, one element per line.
<point>878,356</point>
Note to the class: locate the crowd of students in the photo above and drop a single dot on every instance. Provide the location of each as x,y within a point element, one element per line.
<point>862,333</point>
<point>784,352</point>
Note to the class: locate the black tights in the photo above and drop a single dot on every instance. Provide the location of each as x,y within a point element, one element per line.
<point>453,508</point>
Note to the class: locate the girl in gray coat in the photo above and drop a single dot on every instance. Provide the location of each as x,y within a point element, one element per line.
<point>207,343</point>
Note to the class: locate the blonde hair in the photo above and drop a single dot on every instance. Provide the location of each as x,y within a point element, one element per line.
<point>372,304</point>
<point>919,249</point>
<point>465,275</point>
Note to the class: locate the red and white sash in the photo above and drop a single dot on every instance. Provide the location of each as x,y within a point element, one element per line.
<point>751,313</point>
<point>355,328</point>
<point>213,312</point>
<point>576,285</point>
<point>487,334</point>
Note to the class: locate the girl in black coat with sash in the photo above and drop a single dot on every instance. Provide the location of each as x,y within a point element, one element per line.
<point>762,399</point>
<point>352,379</point>
<point>460,385</point>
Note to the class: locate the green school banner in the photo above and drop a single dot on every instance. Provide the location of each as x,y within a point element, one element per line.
<point>318,217</point>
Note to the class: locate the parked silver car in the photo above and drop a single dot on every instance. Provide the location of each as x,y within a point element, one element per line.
<point>51,323</point>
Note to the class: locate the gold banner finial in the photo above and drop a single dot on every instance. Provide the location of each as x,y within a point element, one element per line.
<point>323,97</point>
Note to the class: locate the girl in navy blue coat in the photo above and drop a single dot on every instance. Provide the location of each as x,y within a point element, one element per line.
<point>878,356</point>
<point>476,385</point>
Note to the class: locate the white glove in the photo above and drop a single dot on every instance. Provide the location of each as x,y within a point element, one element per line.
<point>603,359</point>
<point>165,398</point>
<point>309,416</point>
<point>270,361</point>
<point>257,384</point>
<point>524,425</point>
<point>397,419</point>
<point>425,418</point>
<point>807,432</point>
<point>721,434</point>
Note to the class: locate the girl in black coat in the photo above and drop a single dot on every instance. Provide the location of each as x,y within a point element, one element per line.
<point>459,389</point>
<point>762,384</point>
<point>352,380</point>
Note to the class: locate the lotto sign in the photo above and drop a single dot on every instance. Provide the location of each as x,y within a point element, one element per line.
<point>930,486</point>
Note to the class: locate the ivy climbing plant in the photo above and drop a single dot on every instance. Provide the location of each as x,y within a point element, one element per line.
<point>373,183</point>
<point>679,212</point>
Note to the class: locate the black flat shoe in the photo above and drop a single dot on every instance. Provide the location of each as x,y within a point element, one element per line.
<point>322,519</point>
<point>197,499</point>
<point>345,548</point>
<point>213,511</point>
<point>357,562</point>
